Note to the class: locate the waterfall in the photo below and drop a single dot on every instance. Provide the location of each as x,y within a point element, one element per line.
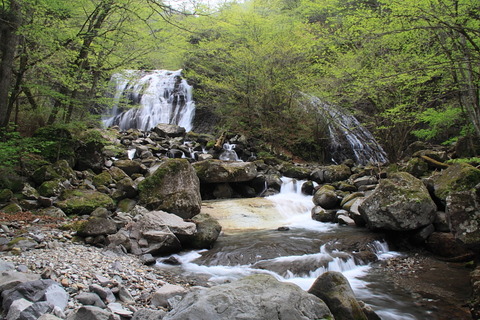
<point>143,99</point>
<point>348,138</point>
<point>229,153</point>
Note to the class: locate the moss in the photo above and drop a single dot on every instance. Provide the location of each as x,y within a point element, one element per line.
<point>458,177</point>
<point>5,195</point>
<point>168,167</point>
<point>77,226</point>
<point>81,201</point>
<point>102,179</point>
<point>51,188</point>
<point>14,241</point>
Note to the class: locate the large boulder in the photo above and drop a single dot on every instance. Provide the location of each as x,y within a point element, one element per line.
<point>169,130</point>
<point>400,203</point>
<point>333,288</point>
<point>130,167</point>
<point>59,170</point>
<point>255,297</point>
<point>174,187</point>
<point>326,197</point>
<point>82,201</point>
<point>217,171</point>
<point>458,177</point>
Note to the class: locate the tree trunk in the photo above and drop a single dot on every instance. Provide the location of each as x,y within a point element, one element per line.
<point>9,40</point>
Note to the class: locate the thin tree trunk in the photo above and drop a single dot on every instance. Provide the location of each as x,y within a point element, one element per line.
<point>9,42</point>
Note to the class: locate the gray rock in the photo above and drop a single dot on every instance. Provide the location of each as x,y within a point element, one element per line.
<point>400,203</point>
<point>48,317</point>
<point>36,291</point>
<point>169,130</point>
<point>320,214</point>
<point>148,259</point>
<point>97,226</point>
<point>208,230</point>
<point>90,313</point>
<point>148,314</point>
<point>117,308</point>
<point>90,299</point>
<point>6,266</point>
<point>255,297</point>
<point>104,293</point>
<point>125,296</point>
<point>167,291</point>
<point>37,309</point>
<point>333,288</point>
<point>10,279</point>
<point>16,308</point>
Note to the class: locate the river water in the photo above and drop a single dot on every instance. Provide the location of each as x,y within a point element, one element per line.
<point>251,243</point>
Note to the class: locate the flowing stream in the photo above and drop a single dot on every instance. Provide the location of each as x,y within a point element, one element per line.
<point>251,243</point>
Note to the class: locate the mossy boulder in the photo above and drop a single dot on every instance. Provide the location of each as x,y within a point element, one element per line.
<point>130,167</point>
<point>296,172</point>
<point>174,187</point>
<point>458,177</point>
<point>82,201</point>
<point>217,171</point>
<point>59,170</point>
<point>5,195</point>
<point>51,188</point>
<point>102,179</point>
<point>326,197</point>
<point>417,167</point>
<point>11,208</point>
<point>400,203</point>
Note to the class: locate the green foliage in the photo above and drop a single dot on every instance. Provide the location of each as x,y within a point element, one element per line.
<point>474,161</point>
<point>438,122</point>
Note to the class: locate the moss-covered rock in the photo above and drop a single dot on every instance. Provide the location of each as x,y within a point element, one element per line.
<point>296,172</point>
<point>117,174</point>
<point>330,174</point>
<point>417,167</point>
<point>463,215</point>
<point>400,203</point>
<point>217,171</point>
<point>59,170</point>
<point>102,179</point>
<point>130,167</point>
<point>326,197</point>
<point>11,208</point>
<point>51,188</point>
<point>81,201</point>
<point>174,187</point>
<point>5,195</point>
<point>458,177</point>
<point>96,226</point>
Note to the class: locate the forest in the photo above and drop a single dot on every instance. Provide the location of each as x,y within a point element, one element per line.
<point>408,70</point>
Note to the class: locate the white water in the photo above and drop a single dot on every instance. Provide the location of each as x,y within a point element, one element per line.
<point>348,136</point>
<point>158,96</point>
<point>229,153</point>
<point>292,209</point>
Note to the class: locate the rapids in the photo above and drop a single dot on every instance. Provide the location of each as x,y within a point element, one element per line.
<point>251,243</point>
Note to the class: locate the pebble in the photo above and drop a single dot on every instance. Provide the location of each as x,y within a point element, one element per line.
<point>77,267</point>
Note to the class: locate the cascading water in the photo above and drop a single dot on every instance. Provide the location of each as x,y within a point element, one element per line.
<point>252,244</point>
<point>348,138</point>
<point>229,153</point>
<point>153,97</point>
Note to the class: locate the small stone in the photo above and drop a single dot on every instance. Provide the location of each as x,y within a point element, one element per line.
<point>65,282</point>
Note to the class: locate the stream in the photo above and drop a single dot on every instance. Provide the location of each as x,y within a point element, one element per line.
<point>303,249</point>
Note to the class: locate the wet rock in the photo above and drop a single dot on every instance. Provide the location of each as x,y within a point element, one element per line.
<point>326,197</point>
<point>174,187</point>
<point>148,259</point>
<point>320,214</point>
<point>445,245</point>
<point>254,297</point>
<point>399,203</point>
<point>366,180</point>
<point>333,288</point>
<point>208,230</point>
<point>441,223</point>
<point>296,172</point>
